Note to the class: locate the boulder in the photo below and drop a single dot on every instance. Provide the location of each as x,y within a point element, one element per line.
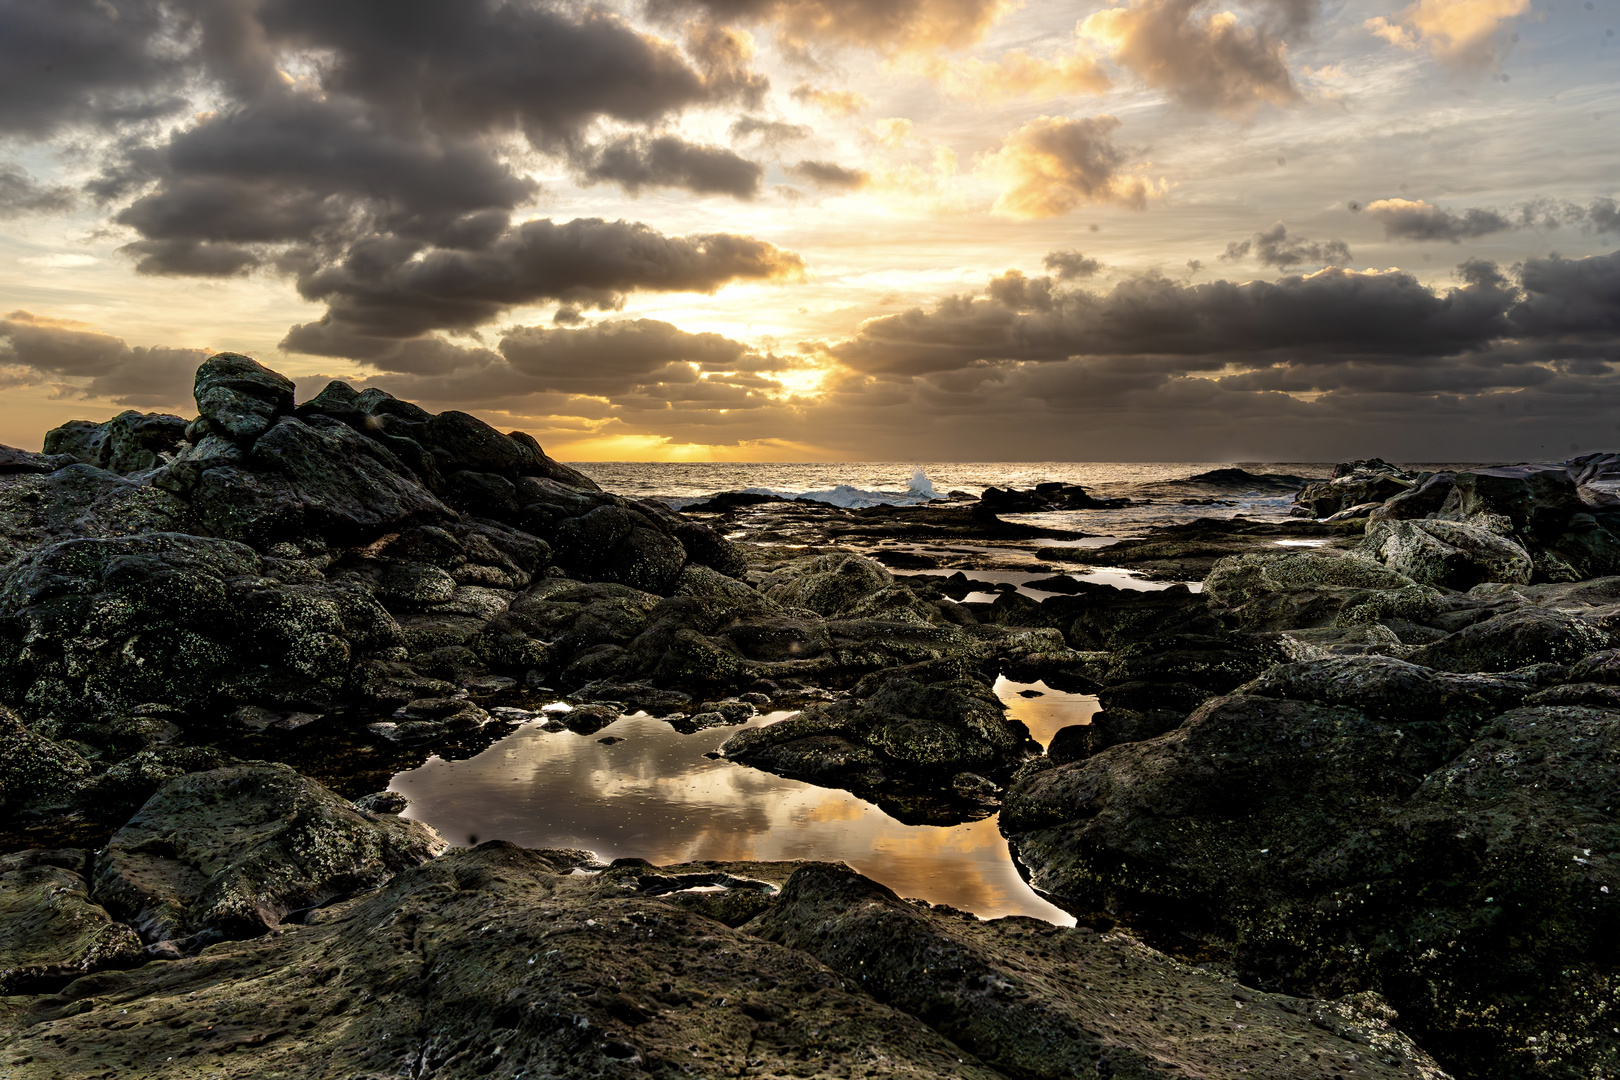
<point>498,961</point>
<point>239,397</point>
<point>895,737</point>
<point>312,479</point>
<point>1513,639</point>
<point>1354,483</point>
<point>1040,1001</point>
<point>1531,502</point>
<point>103,626</point>
<point>234,852</point>
<point>1324,848</point>
<point>51,932</point>
<point>1422,501</point>
<point>1448,554</point>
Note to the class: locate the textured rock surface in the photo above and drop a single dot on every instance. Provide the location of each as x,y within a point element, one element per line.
<point>1381,826</point>
<point>51,932</point>
<point>233,852</point>
<point>497,962</point>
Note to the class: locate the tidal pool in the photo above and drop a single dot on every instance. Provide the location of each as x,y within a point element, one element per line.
<point>655,795</point>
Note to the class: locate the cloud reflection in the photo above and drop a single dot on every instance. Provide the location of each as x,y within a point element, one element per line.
<point>657,797</point>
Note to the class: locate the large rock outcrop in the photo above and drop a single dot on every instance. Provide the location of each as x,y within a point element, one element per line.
<point>1366,823</point>
<point>498,962</point>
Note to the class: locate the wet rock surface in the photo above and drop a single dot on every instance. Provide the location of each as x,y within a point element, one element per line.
<point>499,962</point>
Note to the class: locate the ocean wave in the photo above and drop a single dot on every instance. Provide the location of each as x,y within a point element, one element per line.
<point>919,490</point>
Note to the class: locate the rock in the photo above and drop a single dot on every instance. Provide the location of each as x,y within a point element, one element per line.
<point>1422,501</point>
<point>102,626</point>
<point>51,932</point>
<point>234,852</point>
<point>463,441</point>
<point>1353,484</point>
<point>620,982</point>
<point>13,460</point>
<point>241,397</point>
<point>1325,848</point>
<point>1512,640</point>
<point>1532,502</point>
<point>322,480</point>
<point>34,769</point>
<point>1313,588</point>
<point>899,736</point>
<point>1447,554</point>
<point>1035,1000</point>
<point>382,802</point>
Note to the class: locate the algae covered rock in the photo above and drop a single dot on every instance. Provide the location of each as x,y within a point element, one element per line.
<point>234,852</point>
<point>34,769</point>
<point>240,397</point>
<point>896,737</point>
<point>1324,848</point>
<point>51,932</point>
<point>1036,1000</point>
<point>1448,553</point>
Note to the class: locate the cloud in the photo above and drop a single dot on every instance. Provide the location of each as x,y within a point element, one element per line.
<point>1051,165</point>
<point>20,194</point>
<point>1274,247</point>
<point>768,132</point>
<point>1068,265</point>
<point>1204,59</point>
<point>826,174</point>
<point>84,62</point>
<point>41,350</point>
<point>836,102</point>
<point>637,161</point>
<point>1414,219</point>
<point>1327,317</point>
<point>888,26</point>
<point>1459,32</point>
<point>612,358</point>
<point>387,290</point>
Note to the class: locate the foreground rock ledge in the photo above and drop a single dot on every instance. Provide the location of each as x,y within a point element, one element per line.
<point>498,962</point>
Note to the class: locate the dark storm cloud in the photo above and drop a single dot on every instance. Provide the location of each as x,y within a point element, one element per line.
<point>1274,247</point>
<point>1067,265</point>
<point>1322,318</point>
<point>41,350</point>
<point>84,61</point>
<point>375,150</point>
<point>636,161</point>
<point>1414,219</point>
<point>1203,57</point>
<point>827,174</point>
<point>21,194</point>
<point>387,290</point>
<point>613,358</point>
<point>1570,298</point>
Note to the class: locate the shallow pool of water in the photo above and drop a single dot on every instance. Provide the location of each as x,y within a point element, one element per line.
<point>654,795</point>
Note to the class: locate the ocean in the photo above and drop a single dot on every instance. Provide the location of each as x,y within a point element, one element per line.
<point>896,482</point>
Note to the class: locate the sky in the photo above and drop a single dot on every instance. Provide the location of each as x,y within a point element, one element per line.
<point>780,230</point>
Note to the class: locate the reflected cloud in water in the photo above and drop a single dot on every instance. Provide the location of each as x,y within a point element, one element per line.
<point>656,796</point>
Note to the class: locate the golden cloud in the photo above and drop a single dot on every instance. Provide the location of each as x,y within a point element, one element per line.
<point>1051,165</point>
<point>1461,32</point>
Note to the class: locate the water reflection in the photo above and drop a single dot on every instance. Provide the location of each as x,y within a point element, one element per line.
<point>655,795</point>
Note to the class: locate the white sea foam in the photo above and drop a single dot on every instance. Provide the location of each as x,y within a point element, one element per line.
<point>919,490</point>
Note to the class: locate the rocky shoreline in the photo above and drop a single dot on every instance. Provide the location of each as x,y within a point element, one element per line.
<point>1347,810</point>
